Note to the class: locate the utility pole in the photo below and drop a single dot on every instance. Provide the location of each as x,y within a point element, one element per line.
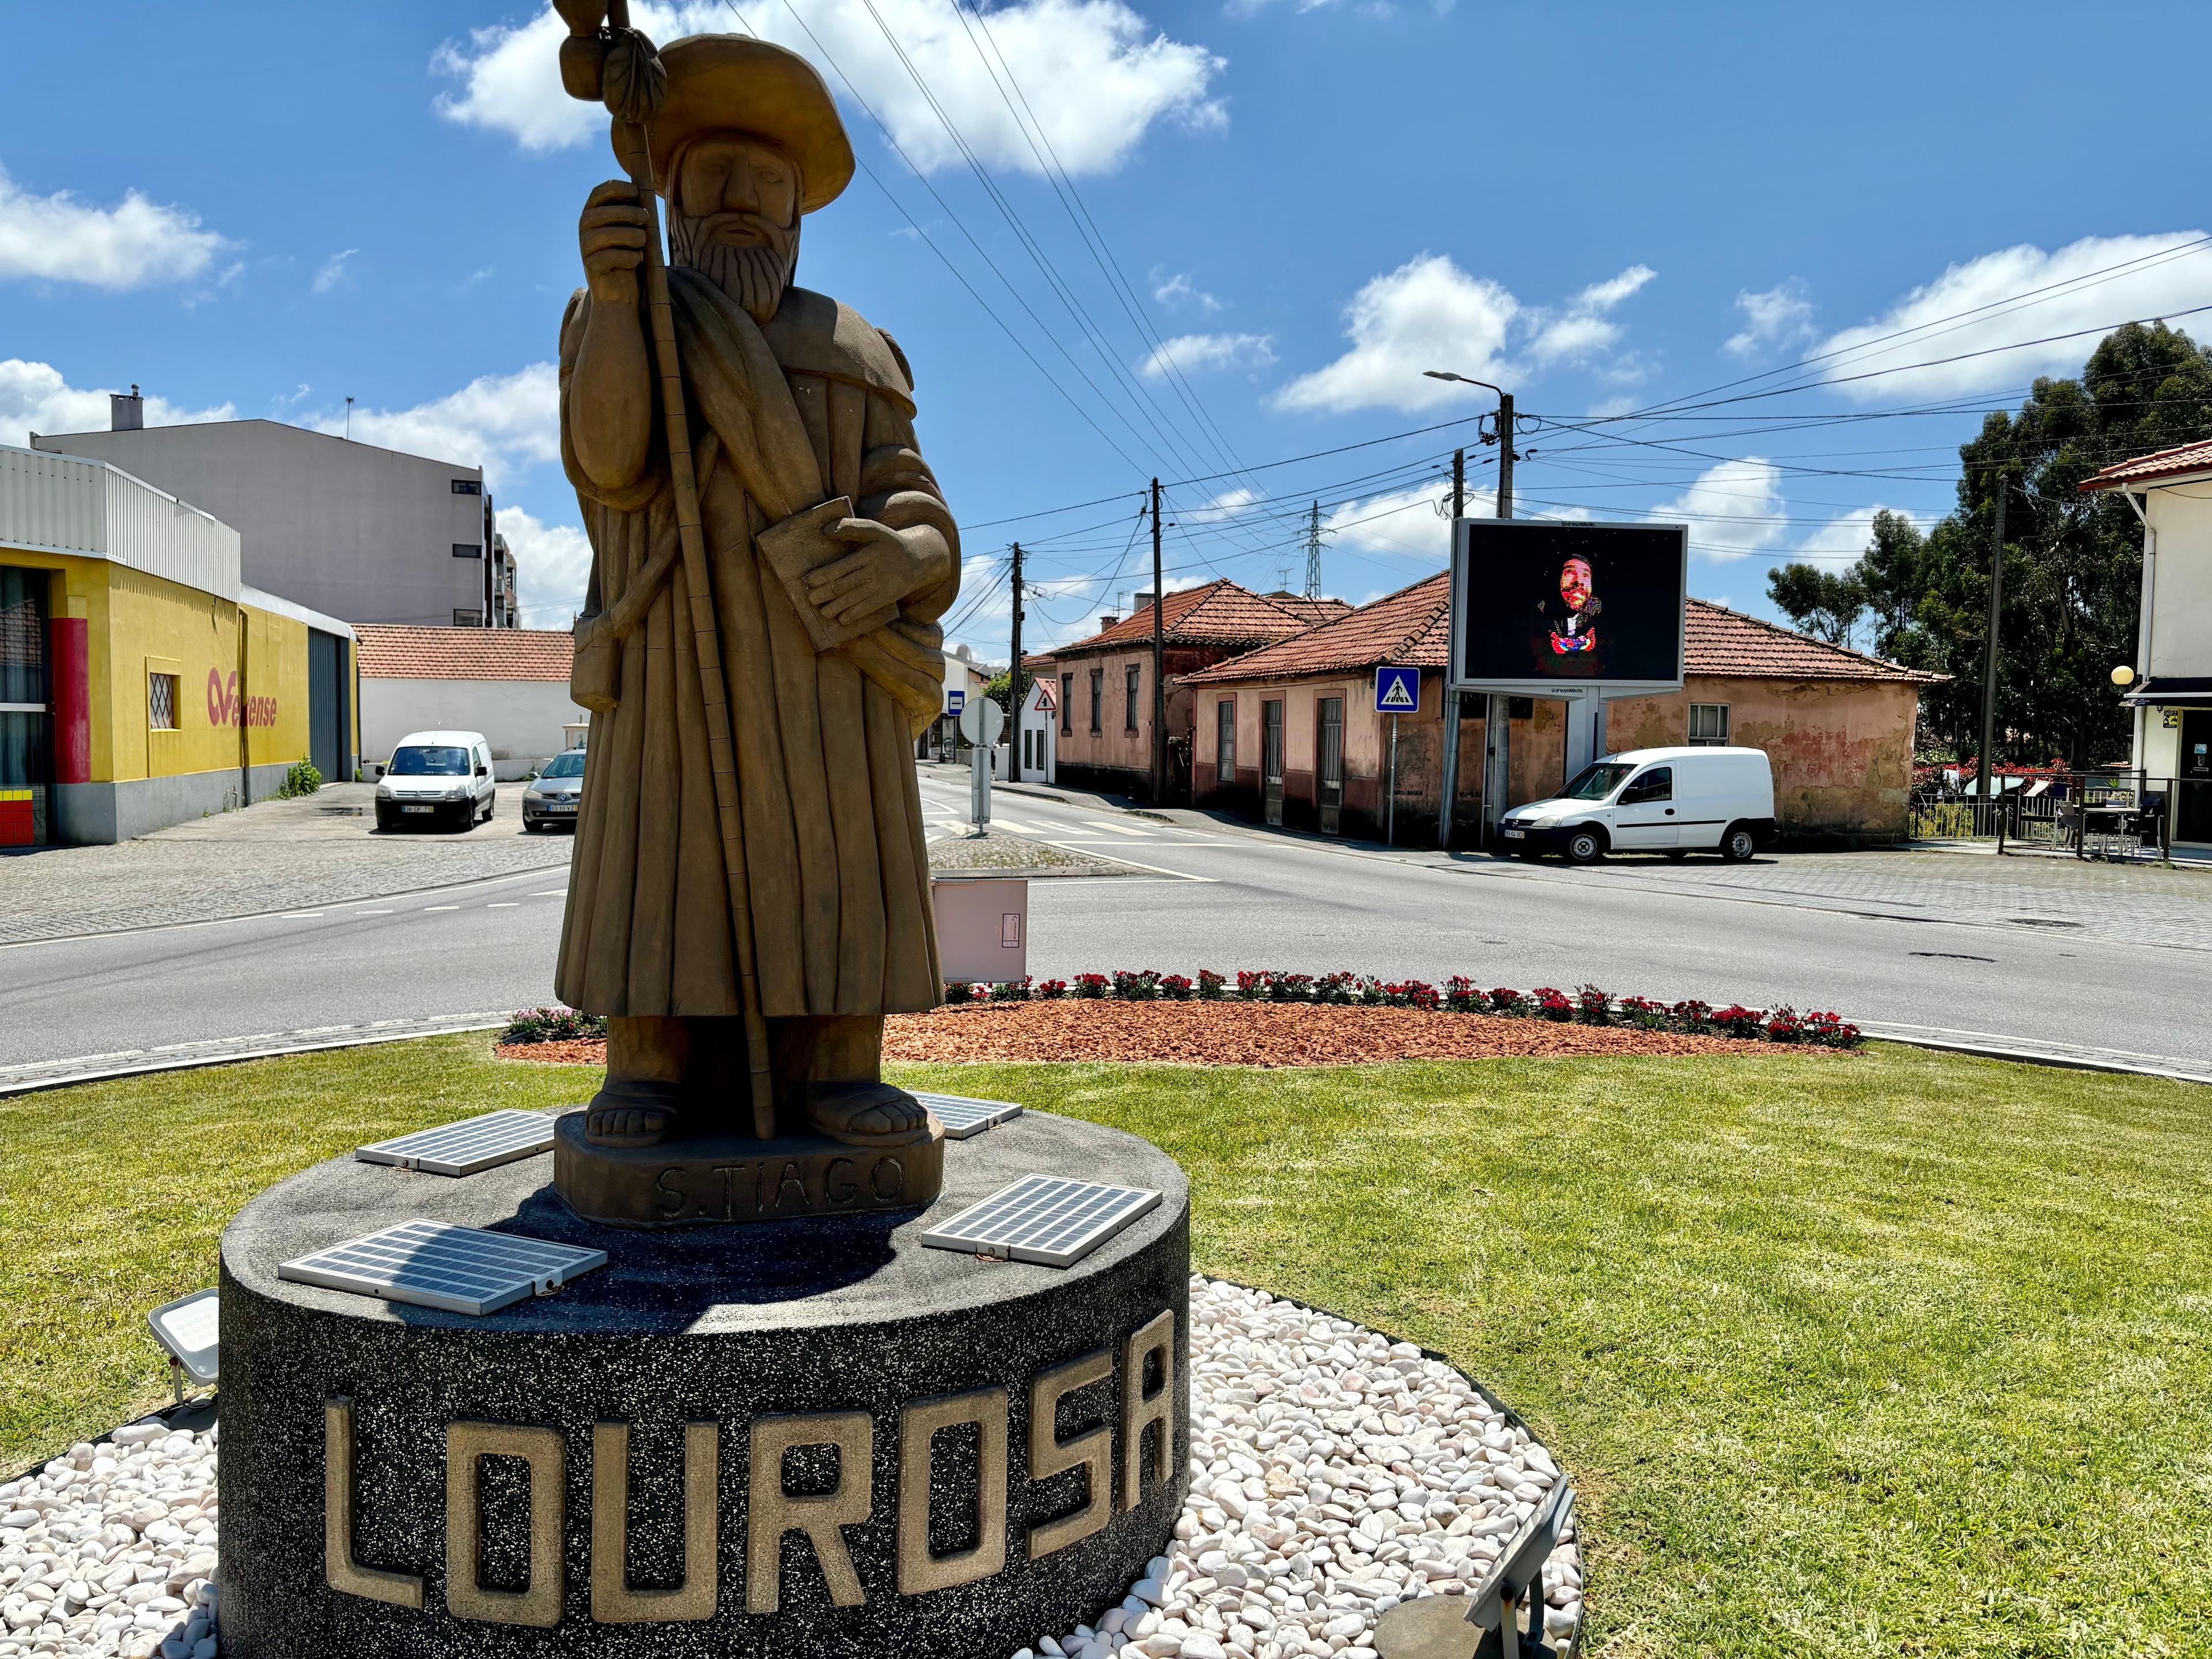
<point>1505,454</point>
<point>1313,554</point>
<point>1014,674</point>
<point>1497,710</point>
<point>1982,766</point>
<point>1159,661</point>
<point>1449,782</point>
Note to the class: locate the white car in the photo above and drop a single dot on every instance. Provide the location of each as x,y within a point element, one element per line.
<point>1659,800</point>
<point>436,778</point>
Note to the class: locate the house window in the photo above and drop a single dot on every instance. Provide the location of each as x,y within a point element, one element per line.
<point>162,701</point>
<point>1225,741</point>
<point>468,618</point>
<point>1067,702</point>
<point>1135,677</point>
<point>468,550</point>
<point>1097,699</point>
<point>467,487</point>
<point>1709,725</point>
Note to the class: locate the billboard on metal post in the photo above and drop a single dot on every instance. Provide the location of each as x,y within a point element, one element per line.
<point>1553,608</point>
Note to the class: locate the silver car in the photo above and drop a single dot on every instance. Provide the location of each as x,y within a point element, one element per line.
<point>554,793</point>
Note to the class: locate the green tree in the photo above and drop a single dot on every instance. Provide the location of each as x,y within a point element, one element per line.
<point>1825,603</point>
<point>2073,563</point>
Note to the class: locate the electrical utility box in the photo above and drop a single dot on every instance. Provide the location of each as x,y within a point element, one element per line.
<point>982,928</point>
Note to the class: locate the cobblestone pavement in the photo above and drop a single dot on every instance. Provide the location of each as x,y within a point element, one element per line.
<point>323,849</point>
<point>2125,904</point>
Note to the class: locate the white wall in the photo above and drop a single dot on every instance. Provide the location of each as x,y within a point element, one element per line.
<point>521,718</point>
<point>1046,723</point>
<point>2181,594</point>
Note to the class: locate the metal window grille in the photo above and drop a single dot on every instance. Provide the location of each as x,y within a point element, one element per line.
<point>1225,741</point>
<point>162,701</point>
<point>1067,702</point>
<point>1709,724</point>
<point>1097,698</point>
<point>1134,677</point>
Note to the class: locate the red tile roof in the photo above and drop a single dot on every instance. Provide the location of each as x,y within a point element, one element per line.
<point>1410,628</point>
<point>1222,612</point>
<point>393,650</point>
<point>2159,464</point>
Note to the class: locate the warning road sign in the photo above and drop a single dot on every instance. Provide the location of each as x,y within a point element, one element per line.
<point>1398,690</point>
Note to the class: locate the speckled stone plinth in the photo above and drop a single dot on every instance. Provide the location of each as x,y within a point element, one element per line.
<point>724,1325</point>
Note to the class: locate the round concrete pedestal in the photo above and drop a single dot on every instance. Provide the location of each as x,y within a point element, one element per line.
<point>954,1456</point>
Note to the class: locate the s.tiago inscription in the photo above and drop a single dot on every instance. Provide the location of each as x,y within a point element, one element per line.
<point>1137,1441</point>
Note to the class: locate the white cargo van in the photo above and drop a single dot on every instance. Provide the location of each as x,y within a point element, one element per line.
<point>1659,800</point>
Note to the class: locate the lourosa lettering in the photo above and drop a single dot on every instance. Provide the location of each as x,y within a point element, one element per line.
<point>1129,1430</point>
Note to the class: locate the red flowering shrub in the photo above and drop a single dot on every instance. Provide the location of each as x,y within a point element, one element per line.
<point>1783,1026</point>
<point>1093,986</point>
<point>1738,1021</point>
<point>1508,1003</point>
<point>1053,989</point>
<point>1692,1018</point>
<point>1594,1007</point>
<point>1412,993</point>
<point>1553,1005</point>
<point>1335,988</point>
<point>1832,1030</point>
<point>1252,986</point>
<point>1143,986</point>
<point>1174,987</point>
<point>1460,996</point>
<point>1012,990</point>
<point>1210,985</point>
<point>1643,1014</point>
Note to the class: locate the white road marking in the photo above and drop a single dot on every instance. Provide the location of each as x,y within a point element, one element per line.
<point>1120,829</point>
<point>1115,858</point>
<point>508,905</point>
<point>552,892</point>
<point>427,907</point>
<point>299,915</point>
<point>372,912</point>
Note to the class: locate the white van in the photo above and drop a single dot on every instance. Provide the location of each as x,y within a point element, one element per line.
<point>1661,800</point>
<point>436,777</point>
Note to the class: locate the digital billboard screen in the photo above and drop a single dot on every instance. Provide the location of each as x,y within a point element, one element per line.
<point>1538,605</point>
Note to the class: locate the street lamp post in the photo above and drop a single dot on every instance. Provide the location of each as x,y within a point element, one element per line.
<point>1493,739</point>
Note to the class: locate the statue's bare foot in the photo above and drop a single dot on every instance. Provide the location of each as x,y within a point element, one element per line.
<point>621,1125</point>
<point>866,1114</point>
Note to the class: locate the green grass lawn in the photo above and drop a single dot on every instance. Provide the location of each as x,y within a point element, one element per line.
<point>1892,1355</point>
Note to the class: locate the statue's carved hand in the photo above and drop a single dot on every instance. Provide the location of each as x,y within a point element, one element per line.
<point>881,570</point>
<point>612,234</point>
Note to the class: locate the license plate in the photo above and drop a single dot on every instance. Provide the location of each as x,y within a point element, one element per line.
<point>418,809</point>
<point>560,807</point>
<point>1517,834</point>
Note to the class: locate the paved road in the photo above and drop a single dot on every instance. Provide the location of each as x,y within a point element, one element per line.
<point>2118,960</point>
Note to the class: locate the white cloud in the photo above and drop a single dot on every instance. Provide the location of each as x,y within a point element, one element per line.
<point>1179,291</point>
<point>333,268</point>
<point>135,244</point>
<point>1428,314</point>
<point>1733,509</point>
<point>1195,354</point>
<point>552,567</point>
<point>1402,524</point>
<point>1226,505</point>
<point>2153,288</point>
<point>1094,75</point>
<point>1780,316</point>
<point>1581,329</point>
<point>1844,538</point>
<point>34,398</point>
<point>500,422</point>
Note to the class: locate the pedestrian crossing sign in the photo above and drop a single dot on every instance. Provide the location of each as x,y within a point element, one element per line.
<point>1398,690</point>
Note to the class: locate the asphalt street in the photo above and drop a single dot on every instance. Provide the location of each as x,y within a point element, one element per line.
<point>1196,893</point>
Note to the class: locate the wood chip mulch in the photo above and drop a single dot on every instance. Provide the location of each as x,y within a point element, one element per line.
<point>1229,1034</point>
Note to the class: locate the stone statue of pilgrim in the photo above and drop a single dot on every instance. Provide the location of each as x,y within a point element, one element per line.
<point>793,399</point>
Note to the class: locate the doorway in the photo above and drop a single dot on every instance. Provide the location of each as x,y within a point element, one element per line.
<point>1271,757</point>
<point>1329,764</point>
<point>2192,809</point>
<point>26,725</point>
<point>328,726</point>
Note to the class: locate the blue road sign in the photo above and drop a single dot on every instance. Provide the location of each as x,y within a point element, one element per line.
<point>1398,690</point>
<point>954,702</point>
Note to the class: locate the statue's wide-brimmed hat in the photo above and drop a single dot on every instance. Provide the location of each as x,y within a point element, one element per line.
<point>734,84</point>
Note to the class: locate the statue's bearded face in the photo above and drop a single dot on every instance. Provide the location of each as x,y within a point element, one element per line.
<point>734,218</point>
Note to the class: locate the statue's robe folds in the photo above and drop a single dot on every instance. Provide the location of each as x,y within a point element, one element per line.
<point>836,878</point>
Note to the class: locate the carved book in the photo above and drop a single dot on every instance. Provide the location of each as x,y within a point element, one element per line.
<point>801,545</point>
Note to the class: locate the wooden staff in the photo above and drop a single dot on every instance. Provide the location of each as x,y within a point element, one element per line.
<point>634,146</point>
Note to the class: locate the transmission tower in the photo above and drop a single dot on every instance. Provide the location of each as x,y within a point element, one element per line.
<point>1313,554</point>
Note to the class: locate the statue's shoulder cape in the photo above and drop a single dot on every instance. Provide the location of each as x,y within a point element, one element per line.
<point>814,334</point>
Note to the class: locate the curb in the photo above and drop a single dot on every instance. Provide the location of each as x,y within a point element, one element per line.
<point>1994,1047</point>
<point>269,1050</point>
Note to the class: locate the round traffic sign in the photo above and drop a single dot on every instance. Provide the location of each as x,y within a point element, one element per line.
<point>982,721</point>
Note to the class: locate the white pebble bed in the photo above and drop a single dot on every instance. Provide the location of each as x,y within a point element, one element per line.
<point>110,1549</point>
<point>1333,1475</point>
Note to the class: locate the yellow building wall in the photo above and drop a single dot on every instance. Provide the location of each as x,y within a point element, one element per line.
<point>139,624</point>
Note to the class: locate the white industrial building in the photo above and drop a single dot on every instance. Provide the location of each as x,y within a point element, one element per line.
<point>356,531</point>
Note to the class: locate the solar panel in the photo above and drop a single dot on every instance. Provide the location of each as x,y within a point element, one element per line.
<point>463,1148</point>
<point>1047,1219</point>
<point>962,1116</point>
<point>434,1264</point>
<point>188,1328</point>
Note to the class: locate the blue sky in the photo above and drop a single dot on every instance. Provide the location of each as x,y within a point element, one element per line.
<point>261,210</point>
